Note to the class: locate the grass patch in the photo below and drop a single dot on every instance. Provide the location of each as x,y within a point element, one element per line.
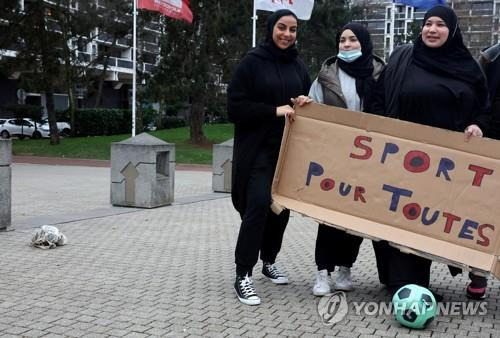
<point>99,147</point>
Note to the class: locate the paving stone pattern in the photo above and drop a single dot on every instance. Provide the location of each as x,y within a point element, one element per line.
<point>169,272</point>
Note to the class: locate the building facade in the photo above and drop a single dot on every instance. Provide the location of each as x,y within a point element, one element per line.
<point>391,24</point>
<point>116,68</point>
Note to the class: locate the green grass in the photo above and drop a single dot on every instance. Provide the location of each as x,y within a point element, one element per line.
<point>98,147</point>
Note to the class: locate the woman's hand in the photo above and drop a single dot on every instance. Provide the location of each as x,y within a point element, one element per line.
<point>473,130</point>
<point>301,100</point>
<point>286,111</point>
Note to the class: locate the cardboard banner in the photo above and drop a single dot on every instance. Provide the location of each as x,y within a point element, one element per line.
<point>419,187</point>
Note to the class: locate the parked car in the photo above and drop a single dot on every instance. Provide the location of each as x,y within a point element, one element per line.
<point>63,127</point>
<point>22,128</point>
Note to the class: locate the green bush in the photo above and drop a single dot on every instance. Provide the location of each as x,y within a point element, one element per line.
<point>169,122</point>
<point>110,121</point>
<point>99,121</point>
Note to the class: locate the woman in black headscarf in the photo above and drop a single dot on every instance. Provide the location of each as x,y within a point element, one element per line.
<point>435,82</point>
<point>258,103</point>
<point>346,80</point>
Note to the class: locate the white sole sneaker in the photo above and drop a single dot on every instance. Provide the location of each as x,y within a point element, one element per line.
<point>279,281</point>
<point>320,293</point>
<point>249,301</point>
<point>344,287</point>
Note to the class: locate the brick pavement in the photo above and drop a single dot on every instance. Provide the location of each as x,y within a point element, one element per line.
<point>169,272</point>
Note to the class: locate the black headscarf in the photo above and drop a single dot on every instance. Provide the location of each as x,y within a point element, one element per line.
<point>362,68</point>
<point>288,54</point>
<point>452,59</point>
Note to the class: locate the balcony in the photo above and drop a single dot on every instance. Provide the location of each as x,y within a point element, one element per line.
<point>114,63</point>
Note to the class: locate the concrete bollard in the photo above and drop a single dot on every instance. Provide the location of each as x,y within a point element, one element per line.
<point>5,183</point>
<point>142,172</point>
<point>222,166</point>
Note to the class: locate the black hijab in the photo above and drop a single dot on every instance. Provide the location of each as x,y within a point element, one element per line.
<point>362,68</point>
<point>288,54</point>
<point>452,59</point>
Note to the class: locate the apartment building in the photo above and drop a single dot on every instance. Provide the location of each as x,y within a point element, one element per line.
<point>391,24</point>
<point>117,72</point>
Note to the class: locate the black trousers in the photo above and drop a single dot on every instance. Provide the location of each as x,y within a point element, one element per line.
<point>396,269</point>
<point>261,229</point>
<point>335,247</point>
<point>476,280</point>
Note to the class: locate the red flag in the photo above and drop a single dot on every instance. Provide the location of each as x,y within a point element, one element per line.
<point>177,9</point>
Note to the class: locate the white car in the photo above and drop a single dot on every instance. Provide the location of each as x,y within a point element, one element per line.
<point>22,128</point>
<point>63,127</point>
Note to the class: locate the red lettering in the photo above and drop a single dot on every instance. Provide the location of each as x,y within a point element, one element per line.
<point>327,184</point>
<point>485,240</point>
<point>417,161</point>
<point>358,194</point>
<point>412,211</point>
<point>367,149</point>
<point>479,174</point>
<point>450,218</point>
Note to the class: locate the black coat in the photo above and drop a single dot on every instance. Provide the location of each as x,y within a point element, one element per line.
<point>442,111</point>
<point>492,71</point>
<point>260,83</point>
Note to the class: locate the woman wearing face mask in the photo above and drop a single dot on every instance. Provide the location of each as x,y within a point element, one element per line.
<point>346,80</point>
<point>258,103</point>
<point>435,82</point>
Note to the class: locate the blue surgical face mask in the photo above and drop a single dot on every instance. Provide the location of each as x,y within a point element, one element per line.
<point>349,55</point>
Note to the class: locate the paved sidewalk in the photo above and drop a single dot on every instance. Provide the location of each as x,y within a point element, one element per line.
<point>169,271</point>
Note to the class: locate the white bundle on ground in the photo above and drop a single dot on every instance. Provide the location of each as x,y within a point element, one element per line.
<point>48,237</point>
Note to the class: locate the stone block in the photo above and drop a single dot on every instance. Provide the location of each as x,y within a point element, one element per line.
<point>5,152</point>
<point>142,172</point>
<point>5,183</point>
<point>222,166</point>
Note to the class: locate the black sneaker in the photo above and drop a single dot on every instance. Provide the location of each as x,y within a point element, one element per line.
<point>271,271</point>
<point>246,291</point>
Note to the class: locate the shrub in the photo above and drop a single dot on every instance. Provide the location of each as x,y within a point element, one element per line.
<point>168,122</point>
<point>99,121</point>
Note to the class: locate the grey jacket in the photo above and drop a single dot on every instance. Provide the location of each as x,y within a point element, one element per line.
<point>326,87</point>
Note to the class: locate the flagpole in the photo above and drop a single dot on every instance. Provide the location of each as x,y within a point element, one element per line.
<point>393,22</point>
<point>254,24</point>
<point>134,67</point>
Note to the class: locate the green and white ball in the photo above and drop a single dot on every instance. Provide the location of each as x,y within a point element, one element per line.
<point>414,306</point>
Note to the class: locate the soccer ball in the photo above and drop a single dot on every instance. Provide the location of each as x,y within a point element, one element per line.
<point>414,306</point>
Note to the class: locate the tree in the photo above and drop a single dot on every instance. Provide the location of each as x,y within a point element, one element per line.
<point>114,22</point>
<point>198,60</point>
<point>76,28</point>
<point>193,60</point>
<point>51,39</point>
<point>38,46</point>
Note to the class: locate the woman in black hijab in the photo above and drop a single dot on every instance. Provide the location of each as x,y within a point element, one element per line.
<point>435,82</point>
<point>346,80</point>
<point>258,102</point>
